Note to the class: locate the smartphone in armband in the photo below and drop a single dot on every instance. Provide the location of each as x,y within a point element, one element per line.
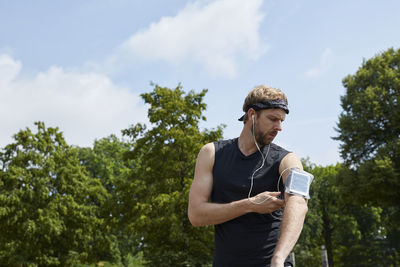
<point>298,183</point>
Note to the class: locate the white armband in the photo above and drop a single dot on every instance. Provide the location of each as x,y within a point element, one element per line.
<point>298,183</point>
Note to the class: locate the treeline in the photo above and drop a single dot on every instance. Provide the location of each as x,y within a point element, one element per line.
<point>123,201</point>
<point>354,208</point>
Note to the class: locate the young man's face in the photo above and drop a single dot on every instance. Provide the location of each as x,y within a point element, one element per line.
<point>267,125</point>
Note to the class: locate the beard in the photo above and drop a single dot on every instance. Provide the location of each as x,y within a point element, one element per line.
<point>263,139</point>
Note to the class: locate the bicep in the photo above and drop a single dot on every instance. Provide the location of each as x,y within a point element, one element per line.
<point>201,188</point>
<point>288,162</point>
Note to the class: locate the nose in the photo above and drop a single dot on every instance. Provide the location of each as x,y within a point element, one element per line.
<point>278,125</point>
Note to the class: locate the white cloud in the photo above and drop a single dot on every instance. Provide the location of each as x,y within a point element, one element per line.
<point>84,106</point>
<point>324,64</point>
<point>215,35</point>
<point>9,69</point>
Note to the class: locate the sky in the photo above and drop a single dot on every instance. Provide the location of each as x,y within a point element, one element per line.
<point>82,65</point>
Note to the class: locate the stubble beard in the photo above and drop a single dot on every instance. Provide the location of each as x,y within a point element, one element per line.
<point>263,139</point>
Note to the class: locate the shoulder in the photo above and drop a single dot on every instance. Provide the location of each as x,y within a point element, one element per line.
<point>291,160</point>
<point>216,146</point>
<point>210,151</point>
<point>207,149</point>
<point>223,145</point>
<point>278,153</point>
<point>206,155</point>
<point>204,165</point>
<point>280,149</point>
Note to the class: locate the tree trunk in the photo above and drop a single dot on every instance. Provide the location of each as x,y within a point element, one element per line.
<point>327,231</point>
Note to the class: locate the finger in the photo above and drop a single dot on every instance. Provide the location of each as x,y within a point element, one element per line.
<point>279,202</point>
<point>274,194</point>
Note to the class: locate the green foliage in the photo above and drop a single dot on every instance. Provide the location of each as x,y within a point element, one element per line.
<point>350,232</point>
<point>105,161</point>
<point>371,108</point>
<point>164,158</point>
<point>124,203</point>
<point>49,207</point>
<point>369,131</point>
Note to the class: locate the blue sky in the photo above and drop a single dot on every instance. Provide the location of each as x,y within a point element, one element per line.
<point>81,65</point>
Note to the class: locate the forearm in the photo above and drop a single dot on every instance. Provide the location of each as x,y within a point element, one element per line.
<point>291,226</point>
<point>214,213</point>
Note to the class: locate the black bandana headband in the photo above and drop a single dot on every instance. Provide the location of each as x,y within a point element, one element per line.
<point>276,103</point>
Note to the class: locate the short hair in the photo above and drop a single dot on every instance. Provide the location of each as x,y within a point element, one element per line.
<point>262,93</point>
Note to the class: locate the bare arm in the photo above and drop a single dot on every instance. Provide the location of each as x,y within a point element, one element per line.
<point>293,216</point>
<point>202,212</point>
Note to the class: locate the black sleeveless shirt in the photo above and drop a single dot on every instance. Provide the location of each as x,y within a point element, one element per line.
<point>248,240</point>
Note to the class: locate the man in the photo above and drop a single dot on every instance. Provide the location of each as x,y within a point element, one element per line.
<point>236,188</point>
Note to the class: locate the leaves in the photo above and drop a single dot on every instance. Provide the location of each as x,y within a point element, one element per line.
<point>49,213</point>
<point>371,109</point>
<point>369,131</point>
<point>350,231</point>
<point>165,157</point>
<point>125,200</point>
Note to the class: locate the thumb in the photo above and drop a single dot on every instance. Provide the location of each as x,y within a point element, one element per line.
<point>274,194</point>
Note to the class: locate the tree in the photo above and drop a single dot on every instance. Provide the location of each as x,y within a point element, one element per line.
<point>369,132</point>
<point>350,232</point>
<point>105,161</point>
<point>371,108</point>
<point>49,207</point>
<point>164,158</point>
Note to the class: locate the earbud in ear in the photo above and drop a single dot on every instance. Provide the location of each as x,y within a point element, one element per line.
<point>252,117</point>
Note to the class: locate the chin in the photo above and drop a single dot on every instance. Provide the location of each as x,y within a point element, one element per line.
<point>270,141</point>
<point>266,142</point>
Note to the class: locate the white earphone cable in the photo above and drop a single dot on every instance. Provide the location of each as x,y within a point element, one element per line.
<point>259,168</point>
<point>262,165</point>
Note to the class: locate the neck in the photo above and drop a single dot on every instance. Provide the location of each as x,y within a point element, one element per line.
<point>246,142</point>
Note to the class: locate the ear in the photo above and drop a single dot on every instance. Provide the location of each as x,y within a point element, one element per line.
<point>250,113</point>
